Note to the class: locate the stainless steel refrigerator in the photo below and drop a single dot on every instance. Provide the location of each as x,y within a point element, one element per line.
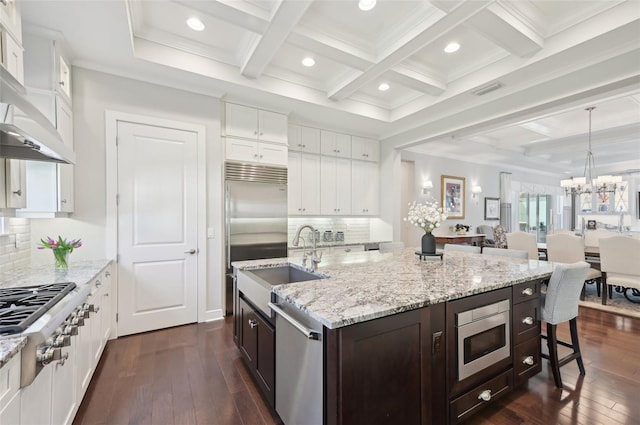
<point>255,216</point>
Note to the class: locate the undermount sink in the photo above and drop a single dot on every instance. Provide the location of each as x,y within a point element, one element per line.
<point>285,274</point>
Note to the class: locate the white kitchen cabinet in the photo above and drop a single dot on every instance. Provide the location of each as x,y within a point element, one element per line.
<point>303,184</point>
<point>10,391</point>
<point>50,186</point>
<point>250,151</point>
<point>64,401</point>
<point>106,306</point>
<point>365,149</point>
<point>11,19</point>
<point>335,186</point>
<point>35,399</point>
<point>15,183</point>
<point>335,144</point>
<point>47,66</point>
<point>12,55</point>
<point>365,188</point>
<point>304,139</point>
<point>251,123</point>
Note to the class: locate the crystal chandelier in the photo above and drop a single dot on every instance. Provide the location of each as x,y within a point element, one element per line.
<point>588,184</point>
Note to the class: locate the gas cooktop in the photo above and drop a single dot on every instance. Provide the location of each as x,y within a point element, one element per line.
<point>20,307</point>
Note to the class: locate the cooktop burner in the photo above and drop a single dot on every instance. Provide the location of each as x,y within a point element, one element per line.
<point>20,307</point>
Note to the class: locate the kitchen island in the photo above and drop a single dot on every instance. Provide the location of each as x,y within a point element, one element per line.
<point>390,348</point>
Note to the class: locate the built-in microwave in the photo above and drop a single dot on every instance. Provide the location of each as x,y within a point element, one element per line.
<point>483,337</point>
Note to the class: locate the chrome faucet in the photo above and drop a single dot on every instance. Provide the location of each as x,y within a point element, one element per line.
<point>315,258</point>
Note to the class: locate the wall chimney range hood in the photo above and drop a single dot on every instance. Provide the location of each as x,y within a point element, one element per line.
<point>25,133</point>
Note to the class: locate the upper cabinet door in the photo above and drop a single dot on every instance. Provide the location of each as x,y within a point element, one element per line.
<point>365,149</point>
<point>16,176</point>
<point>252,123</point>
<point>64,77</point>
<point>241,121</point>
<point>272,127</point>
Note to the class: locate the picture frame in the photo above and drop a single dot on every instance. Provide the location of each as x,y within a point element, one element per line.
<point>491,208</point>
<point>453,195</point>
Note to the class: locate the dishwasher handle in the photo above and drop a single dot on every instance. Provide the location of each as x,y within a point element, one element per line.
<point>310,334</point>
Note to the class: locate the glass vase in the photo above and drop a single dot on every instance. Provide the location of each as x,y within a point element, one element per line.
<point>61,258</point>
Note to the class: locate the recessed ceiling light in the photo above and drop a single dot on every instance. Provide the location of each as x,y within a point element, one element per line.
<point>308,61</point>
<point>195,24</point>
<point>383,87</point>
<point>452,47</point>
<point>366,4</point>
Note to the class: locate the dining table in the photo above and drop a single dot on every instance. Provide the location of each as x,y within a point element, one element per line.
<point>589,251</point>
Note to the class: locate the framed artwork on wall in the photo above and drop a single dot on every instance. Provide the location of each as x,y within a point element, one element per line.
<point>492,208</point>
<point>453,195</point>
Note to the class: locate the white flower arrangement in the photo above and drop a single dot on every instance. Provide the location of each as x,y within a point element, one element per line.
<point>427,216</point>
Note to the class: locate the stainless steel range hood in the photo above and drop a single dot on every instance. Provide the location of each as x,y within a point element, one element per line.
<point>25,133</point>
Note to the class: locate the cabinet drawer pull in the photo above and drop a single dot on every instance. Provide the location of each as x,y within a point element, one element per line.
<point>528,360</point>
<point>107,273</point>
<point>63,201</point>
<point>63,359</point>
<point>527,291</point>
<point>18,192</point>
<point>485,395</point>
<point>252,323</point>
<point>528,320</point>
<point>98,283</point>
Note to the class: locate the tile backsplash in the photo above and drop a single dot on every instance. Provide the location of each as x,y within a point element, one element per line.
<point>355,230</point>
<point>15,244</point>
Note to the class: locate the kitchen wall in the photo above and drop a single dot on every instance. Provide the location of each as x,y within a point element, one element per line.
<point>15,244</point>
<point>432,168</point>
<point>94,93</point>
<point>355,229</point>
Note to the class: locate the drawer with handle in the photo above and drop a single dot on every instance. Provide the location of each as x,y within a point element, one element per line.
<point>472,401</point>
<point>526,360</point>
<point>526,291</point>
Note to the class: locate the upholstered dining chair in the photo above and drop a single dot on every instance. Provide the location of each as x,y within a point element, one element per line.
<point>391,246</point>
<point>593,237</point>
<point>449,247</point>
<point>567,248</point>
<point>560,304</point>
<point>620,264</point>
<point>513,253</point>
<point>500,236</point>
<point>489,240</point>
<point>525,242</point>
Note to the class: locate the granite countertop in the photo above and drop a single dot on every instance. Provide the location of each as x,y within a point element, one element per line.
<point>368,285</point>
<point>80,272</point>
<point>10,346</point>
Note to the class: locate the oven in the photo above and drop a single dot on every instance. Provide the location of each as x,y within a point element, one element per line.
<point>482,337</point>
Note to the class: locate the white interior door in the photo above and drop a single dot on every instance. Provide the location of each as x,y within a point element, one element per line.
<point>157,227</point>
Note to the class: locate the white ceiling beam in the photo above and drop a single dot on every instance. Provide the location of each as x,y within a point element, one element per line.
<point>284,19</point>
<point>506,30</point>
<point>578,142</point>
<point>417,81</point>
<point>331,48</point>
<point>409,46</point>
<point>228,11</point>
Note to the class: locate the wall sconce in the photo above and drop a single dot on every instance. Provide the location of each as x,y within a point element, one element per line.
<point>427,185</point>
<point>475,193</point>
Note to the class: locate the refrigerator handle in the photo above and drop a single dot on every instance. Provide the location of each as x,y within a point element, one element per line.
<point>227,225</point>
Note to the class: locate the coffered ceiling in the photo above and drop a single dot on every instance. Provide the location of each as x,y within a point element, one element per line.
<point>513,94</point>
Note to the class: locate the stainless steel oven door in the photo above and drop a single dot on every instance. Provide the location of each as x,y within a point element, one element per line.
<point>482,343</point>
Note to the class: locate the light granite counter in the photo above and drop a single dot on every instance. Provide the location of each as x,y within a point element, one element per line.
<point>10,346</point>
<point>367,285</point>
<point>80,273</point>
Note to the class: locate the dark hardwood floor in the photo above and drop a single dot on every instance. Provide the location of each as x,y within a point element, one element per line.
<point>194,375</point>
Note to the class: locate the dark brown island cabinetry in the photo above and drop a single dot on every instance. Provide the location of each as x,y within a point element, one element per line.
<point>386,371</point>
<point>255,337</point>
<point>527,360</point>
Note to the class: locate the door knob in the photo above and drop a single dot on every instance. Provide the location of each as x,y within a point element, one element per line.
<point>191,251</point>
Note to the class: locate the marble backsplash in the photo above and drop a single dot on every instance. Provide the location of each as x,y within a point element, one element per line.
<point>355,229</point>
<point>15,244</point>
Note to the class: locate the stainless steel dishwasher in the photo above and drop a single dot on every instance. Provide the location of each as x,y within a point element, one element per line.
<point>299,366</point>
